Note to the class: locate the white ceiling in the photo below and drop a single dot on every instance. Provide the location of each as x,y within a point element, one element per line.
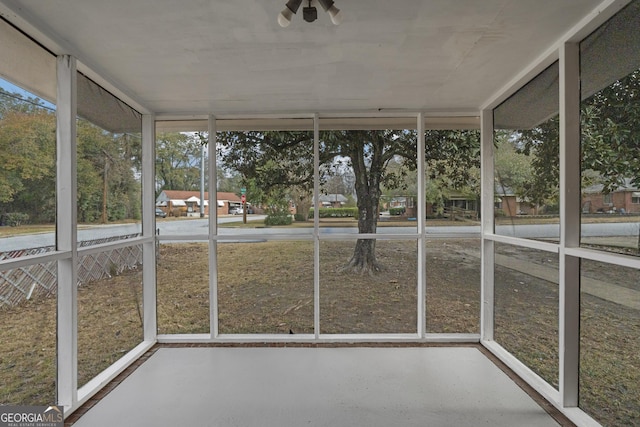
<point>232,57</point>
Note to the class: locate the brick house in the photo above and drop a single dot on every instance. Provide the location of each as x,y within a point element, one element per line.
<point>624,199</point>
<point>185,203</point>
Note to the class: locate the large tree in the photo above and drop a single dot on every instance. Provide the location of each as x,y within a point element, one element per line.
<point>272,164</point>
<point>610,141</point>
<point>277,160</point>
<point>108,165</point>
<point>27,151</point>
<point>452,163</point>
<point>178,161</point>
<point>369,154</point>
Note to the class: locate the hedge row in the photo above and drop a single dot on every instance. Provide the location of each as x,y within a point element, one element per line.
<point>336,213</point>
<point>278,219</point>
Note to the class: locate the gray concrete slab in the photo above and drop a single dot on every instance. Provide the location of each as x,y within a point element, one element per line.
<point>371,387</point>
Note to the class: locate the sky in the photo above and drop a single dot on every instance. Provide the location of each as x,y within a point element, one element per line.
<point>10,87</point>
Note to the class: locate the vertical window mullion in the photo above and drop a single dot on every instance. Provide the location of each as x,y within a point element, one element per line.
<point>213,230</point>
<point>66,232</point>
<point>570,191</point>
<point>487,300</point>
<point>422,285</point>
<point>316,226</point>
<point>149,303</point>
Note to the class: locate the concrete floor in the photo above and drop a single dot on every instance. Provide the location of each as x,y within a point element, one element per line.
<point>345,386</point>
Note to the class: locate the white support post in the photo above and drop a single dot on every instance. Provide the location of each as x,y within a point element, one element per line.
<point>66,233</point>
<point>149,300</point>
<point>422,273</point>
<point>569,298</point>
<point>487,300</point>
<point>316,226</point>
<point>213,230</point>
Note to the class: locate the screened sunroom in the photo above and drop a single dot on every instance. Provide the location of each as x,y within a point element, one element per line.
<point>258,213</point>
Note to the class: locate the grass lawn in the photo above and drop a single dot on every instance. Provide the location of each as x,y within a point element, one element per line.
<point>267,287</point>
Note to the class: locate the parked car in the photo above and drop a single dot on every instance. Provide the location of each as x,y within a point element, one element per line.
<point>160,213</point>
<point>240,211</point>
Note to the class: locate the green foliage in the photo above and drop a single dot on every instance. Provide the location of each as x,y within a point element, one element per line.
<point>15,219</point>
<point>453,158</point>
<point>278,218</point>
<point>106,166</point>
<point>178,157</point>
<point>300,217</point>
<point>27,151</point>
<point>610,140</point>
<point>27,156</point>
<point>512,167</point>
<point>272,159</point>
<point>276,168</point>
<point>335,213</point>
<point>376,160</point>
<point>452,162</point>
<point>397,211</point>
<point>28,159</point>
<point>228,181</point>
<point>256,196</point>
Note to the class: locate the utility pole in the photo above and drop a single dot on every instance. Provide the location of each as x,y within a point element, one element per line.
<point>202,164</point>
<point>105,188</point>
<point>105,184</point>
<point>243,200</point>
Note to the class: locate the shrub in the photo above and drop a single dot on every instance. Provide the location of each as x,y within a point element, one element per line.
<point>299,217</point>
<point>15,219</point>
<point>278,219</point>
<point>336,213</point>
<point>397,211</point>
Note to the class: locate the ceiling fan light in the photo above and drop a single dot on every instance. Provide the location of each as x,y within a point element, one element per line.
<point>310,14</point>
<point>335,14</point>
<point>332,10</point>
<point>284,18</point>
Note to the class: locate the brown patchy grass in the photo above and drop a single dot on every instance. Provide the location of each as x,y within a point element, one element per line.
<point>182,293</point>
<point>109,322</point>
<point>109,325</point>
<point>384,303</point>
<point>267,287</point>
<point>610,362</point>
<point>27,359</point>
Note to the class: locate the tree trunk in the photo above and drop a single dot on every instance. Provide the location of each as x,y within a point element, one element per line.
<point>303,204</point>
<point>364,255</point>
<point>364,258</point>
<point>368,193</point>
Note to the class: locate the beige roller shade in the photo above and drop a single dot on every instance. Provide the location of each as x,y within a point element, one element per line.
<point>26,64</point>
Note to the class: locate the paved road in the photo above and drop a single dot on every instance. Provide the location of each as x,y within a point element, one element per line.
<point>191,226</point>
<point>200,227</point>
